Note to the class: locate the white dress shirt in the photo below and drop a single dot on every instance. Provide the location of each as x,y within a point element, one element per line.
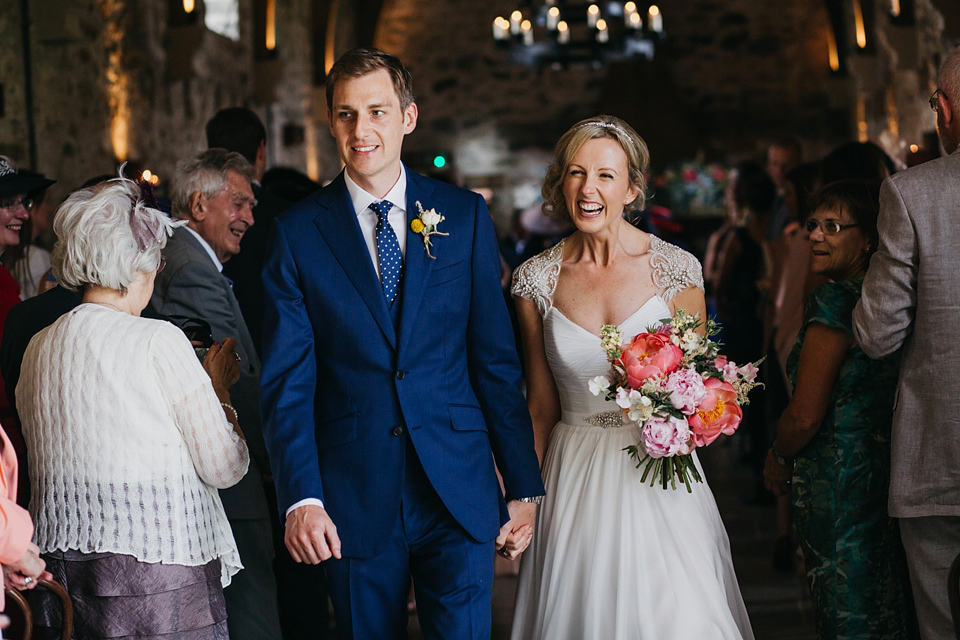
<point>367,218</point>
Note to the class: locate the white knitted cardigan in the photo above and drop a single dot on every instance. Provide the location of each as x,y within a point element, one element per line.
<point>127,442</point>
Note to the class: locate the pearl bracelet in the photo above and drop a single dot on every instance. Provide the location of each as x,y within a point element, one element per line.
<point>230,406</point>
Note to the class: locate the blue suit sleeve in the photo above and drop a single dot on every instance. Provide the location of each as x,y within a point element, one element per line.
<point>289,378</point>
<point>495,367</point>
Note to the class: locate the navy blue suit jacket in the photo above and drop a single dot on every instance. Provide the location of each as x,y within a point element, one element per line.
<point>343,387</point>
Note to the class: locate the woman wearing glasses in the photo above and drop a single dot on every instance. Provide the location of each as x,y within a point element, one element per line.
<point>832,450</point>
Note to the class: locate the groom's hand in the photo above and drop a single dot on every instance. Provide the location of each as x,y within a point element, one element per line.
<point>310,535</point>
<point>516,534</point>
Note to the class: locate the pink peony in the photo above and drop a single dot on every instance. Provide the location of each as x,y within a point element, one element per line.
<point>664,437</point>
<point>718,413</point>
<point>686,390</point>
<point>650,354</point>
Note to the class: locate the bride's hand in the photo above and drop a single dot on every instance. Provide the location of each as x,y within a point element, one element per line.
<point>516,542</point>
<point>516,534</point>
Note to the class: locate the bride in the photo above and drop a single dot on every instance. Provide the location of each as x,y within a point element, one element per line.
<point>611,557</point>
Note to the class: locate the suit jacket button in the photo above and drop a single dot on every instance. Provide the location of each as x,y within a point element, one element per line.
<point>397,431</point>
<point>400,375</point>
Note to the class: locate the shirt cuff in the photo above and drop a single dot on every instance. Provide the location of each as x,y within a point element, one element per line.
<point>303,503</point>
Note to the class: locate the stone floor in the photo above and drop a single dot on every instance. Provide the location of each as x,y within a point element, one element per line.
<point>778,603</point>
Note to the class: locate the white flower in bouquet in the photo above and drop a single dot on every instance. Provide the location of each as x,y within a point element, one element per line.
<point>600,384</point>
<point>639,407</point>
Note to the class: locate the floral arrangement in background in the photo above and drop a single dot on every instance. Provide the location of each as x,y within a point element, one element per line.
<point>676,386</point>
<point>692,188</point>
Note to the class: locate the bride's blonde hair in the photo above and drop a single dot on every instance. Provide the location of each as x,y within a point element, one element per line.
<point>638,160</point>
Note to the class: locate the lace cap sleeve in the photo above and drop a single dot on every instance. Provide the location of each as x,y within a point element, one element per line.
<point>536,279</point>
<point>674,270</point>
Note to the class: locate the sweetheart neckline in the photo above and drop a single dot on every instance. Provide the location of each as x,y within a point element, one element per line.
<point>655,296</point>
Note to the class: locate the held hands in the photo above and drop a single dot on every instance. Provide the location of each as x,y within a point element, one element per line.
<point>310,535</point>
<point>221,364</point>
<point>776,477</point>
<point>516,534</point>
<point>25,572</point>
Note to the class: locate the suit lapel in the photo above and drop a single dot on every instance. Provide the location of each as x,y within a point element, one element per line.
<point>338,225</point>
<point>417,264</point>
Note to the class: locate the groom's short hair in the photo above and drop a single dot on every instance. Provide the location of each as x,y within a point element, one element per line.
<point>359,62</point>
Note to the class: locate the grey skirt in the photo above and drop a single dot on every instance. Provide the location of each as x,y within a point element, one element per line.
<point>117,596</point>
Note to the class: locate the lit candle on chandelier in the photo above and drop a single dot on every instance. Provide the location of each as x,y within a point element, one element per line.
<point>553,18</point>
<point>515,19</point>
<point>634,22</point>
<point>563,32</point>
<point>602,34</point>
<point>527,29</point>
<point>501,28</point>
<point>654,19</point>
<point>593,14</point>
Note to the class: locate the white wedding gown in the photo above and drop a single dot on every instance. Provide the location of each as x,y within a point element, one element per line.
<point>613,558</point>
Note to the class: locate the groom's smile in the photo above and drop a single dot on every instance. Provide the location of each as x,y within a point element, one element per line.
<point>368,124</point>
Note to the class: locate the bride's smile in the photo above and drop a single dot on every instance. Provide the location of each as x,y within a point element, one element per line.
<point>597,185</point>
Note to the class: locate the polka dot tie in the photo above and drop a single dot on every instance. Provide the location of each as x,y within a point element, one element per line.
<point>388,251</point>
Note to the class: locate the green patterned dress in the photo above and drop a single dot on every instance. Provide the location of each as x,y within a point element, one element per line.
<point>854,559</point>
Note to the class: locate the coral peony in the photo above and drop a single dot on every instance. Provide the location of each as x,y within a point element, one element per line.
<point>650,354</point>
<point>718,413</point>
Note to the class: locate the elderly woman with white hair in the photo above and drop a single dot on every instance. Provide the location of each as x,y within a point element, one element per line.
<point>129,436</point>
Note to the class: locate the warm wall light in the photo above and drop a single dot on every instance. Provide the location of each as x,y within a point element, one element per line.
<point>914,148</point>
<point>271,41</point>
<point>862,118</point>
<point>858,21</point>
<point>329,56</point>
<point>189,6</point>
<point>895,8</point>
<point>832,54</point>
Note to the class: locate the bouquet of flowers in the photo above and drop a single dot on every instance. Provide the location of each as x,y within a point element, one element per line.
<point>674,384</point>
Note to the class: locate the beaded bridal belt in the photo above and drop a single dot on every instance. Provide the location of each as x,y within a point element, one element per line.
<point>604,420</point>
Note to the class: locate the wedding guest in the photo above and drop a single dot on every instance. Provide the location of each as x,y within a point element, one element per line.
<point>129,437</point>
<point>783,156</point>
<point>741,286</point>
<point>833,441</point>
<point>22,564</point>
<point>15,207</point>
<point>212,193</point>
<point>27,261</point>
<point>910,303</point>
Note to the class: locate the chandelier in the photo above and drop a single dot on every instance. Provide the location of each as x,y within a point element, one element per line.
<point>571,32</point>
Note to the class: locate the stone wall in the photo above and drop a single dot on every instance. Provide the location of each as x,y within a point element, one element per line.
<point>730,75</point>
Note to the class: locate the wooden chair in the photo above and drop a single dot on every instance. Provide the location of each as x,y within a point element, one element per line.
<point>12,595</point>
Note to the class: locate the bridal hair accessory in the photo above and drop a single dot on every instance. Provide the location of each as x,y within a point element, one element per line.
<point>605,125</point>
<point>676,386</point>
<point>426,225</point>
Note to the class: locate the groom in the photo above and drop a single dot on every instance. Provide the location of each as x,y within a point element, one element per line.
<point>390,376</point>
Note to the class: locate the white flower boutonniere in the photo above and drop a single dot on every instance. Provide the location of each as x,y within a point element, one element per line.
<point>426,225</point>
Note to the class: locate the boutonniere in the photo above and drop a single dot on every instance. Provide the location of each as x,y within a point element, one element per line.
<point>426,225</point>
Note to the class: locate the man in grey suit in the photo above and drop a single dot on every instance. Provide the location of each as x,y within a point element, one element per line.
<point>911,299</point>
<point>212,193</point>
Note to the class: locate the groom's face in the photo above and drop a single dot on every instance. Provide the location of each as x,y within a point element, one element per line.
<point>368,124</point>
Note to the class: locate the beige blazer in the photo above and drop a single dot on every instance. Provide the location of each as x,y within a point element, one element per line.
<point>911,299</point>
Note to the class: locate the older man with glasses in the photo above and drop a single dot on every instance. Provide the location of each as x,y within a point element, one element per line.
<point>911,302</point>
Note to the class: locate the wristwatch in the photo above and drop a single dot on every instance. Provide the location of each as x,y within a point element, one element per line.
<point>537,499</point>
